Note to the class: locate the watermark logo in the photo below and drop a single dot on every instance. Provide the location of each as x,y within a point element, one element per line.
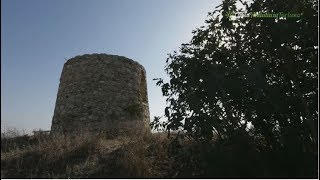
<point>279,15</point>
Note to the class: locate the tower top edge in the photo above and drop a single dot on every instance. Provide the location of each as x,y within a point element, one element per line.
<point>101,56</point>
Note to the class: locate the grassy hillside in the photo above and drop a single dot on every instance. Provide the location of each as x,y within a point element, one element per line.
<point>83,156</point>
<point>151,156</point>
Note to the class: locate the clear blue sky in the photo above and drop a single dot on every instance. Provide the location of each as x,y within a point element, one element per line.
<point>38,36</point>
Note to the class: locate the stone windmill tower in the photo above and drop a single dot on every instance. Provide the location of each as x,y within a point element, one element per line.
<point>100,92</point>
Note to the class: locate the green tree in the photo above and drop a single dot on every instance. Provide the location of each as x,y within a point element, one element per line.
<point>253,75</point>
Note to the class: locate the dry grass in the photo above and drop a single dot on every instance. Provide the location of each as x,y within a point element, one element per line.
<point>83,156</point>
<point>149,156</point>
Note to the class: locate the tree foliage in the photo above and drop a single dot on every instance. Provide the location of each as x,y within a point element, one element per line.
<point>252,75</point>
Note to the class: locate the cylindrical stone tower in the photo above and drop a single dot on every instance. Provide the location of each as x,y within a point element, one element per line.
<point>101,92</point>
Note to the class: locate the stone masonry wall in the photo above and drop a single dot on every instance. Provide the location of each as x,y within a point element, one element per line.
<point>101,92</point>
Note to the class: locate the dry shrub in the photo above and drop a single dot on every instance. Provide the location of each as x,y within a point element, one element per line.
<point>145,157</point>
<point>132,159</point>
<point>13,138</point>
<point>161,163</point>
<point>87,155</point>
<point>61,145</point>
<point>49,156</point>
